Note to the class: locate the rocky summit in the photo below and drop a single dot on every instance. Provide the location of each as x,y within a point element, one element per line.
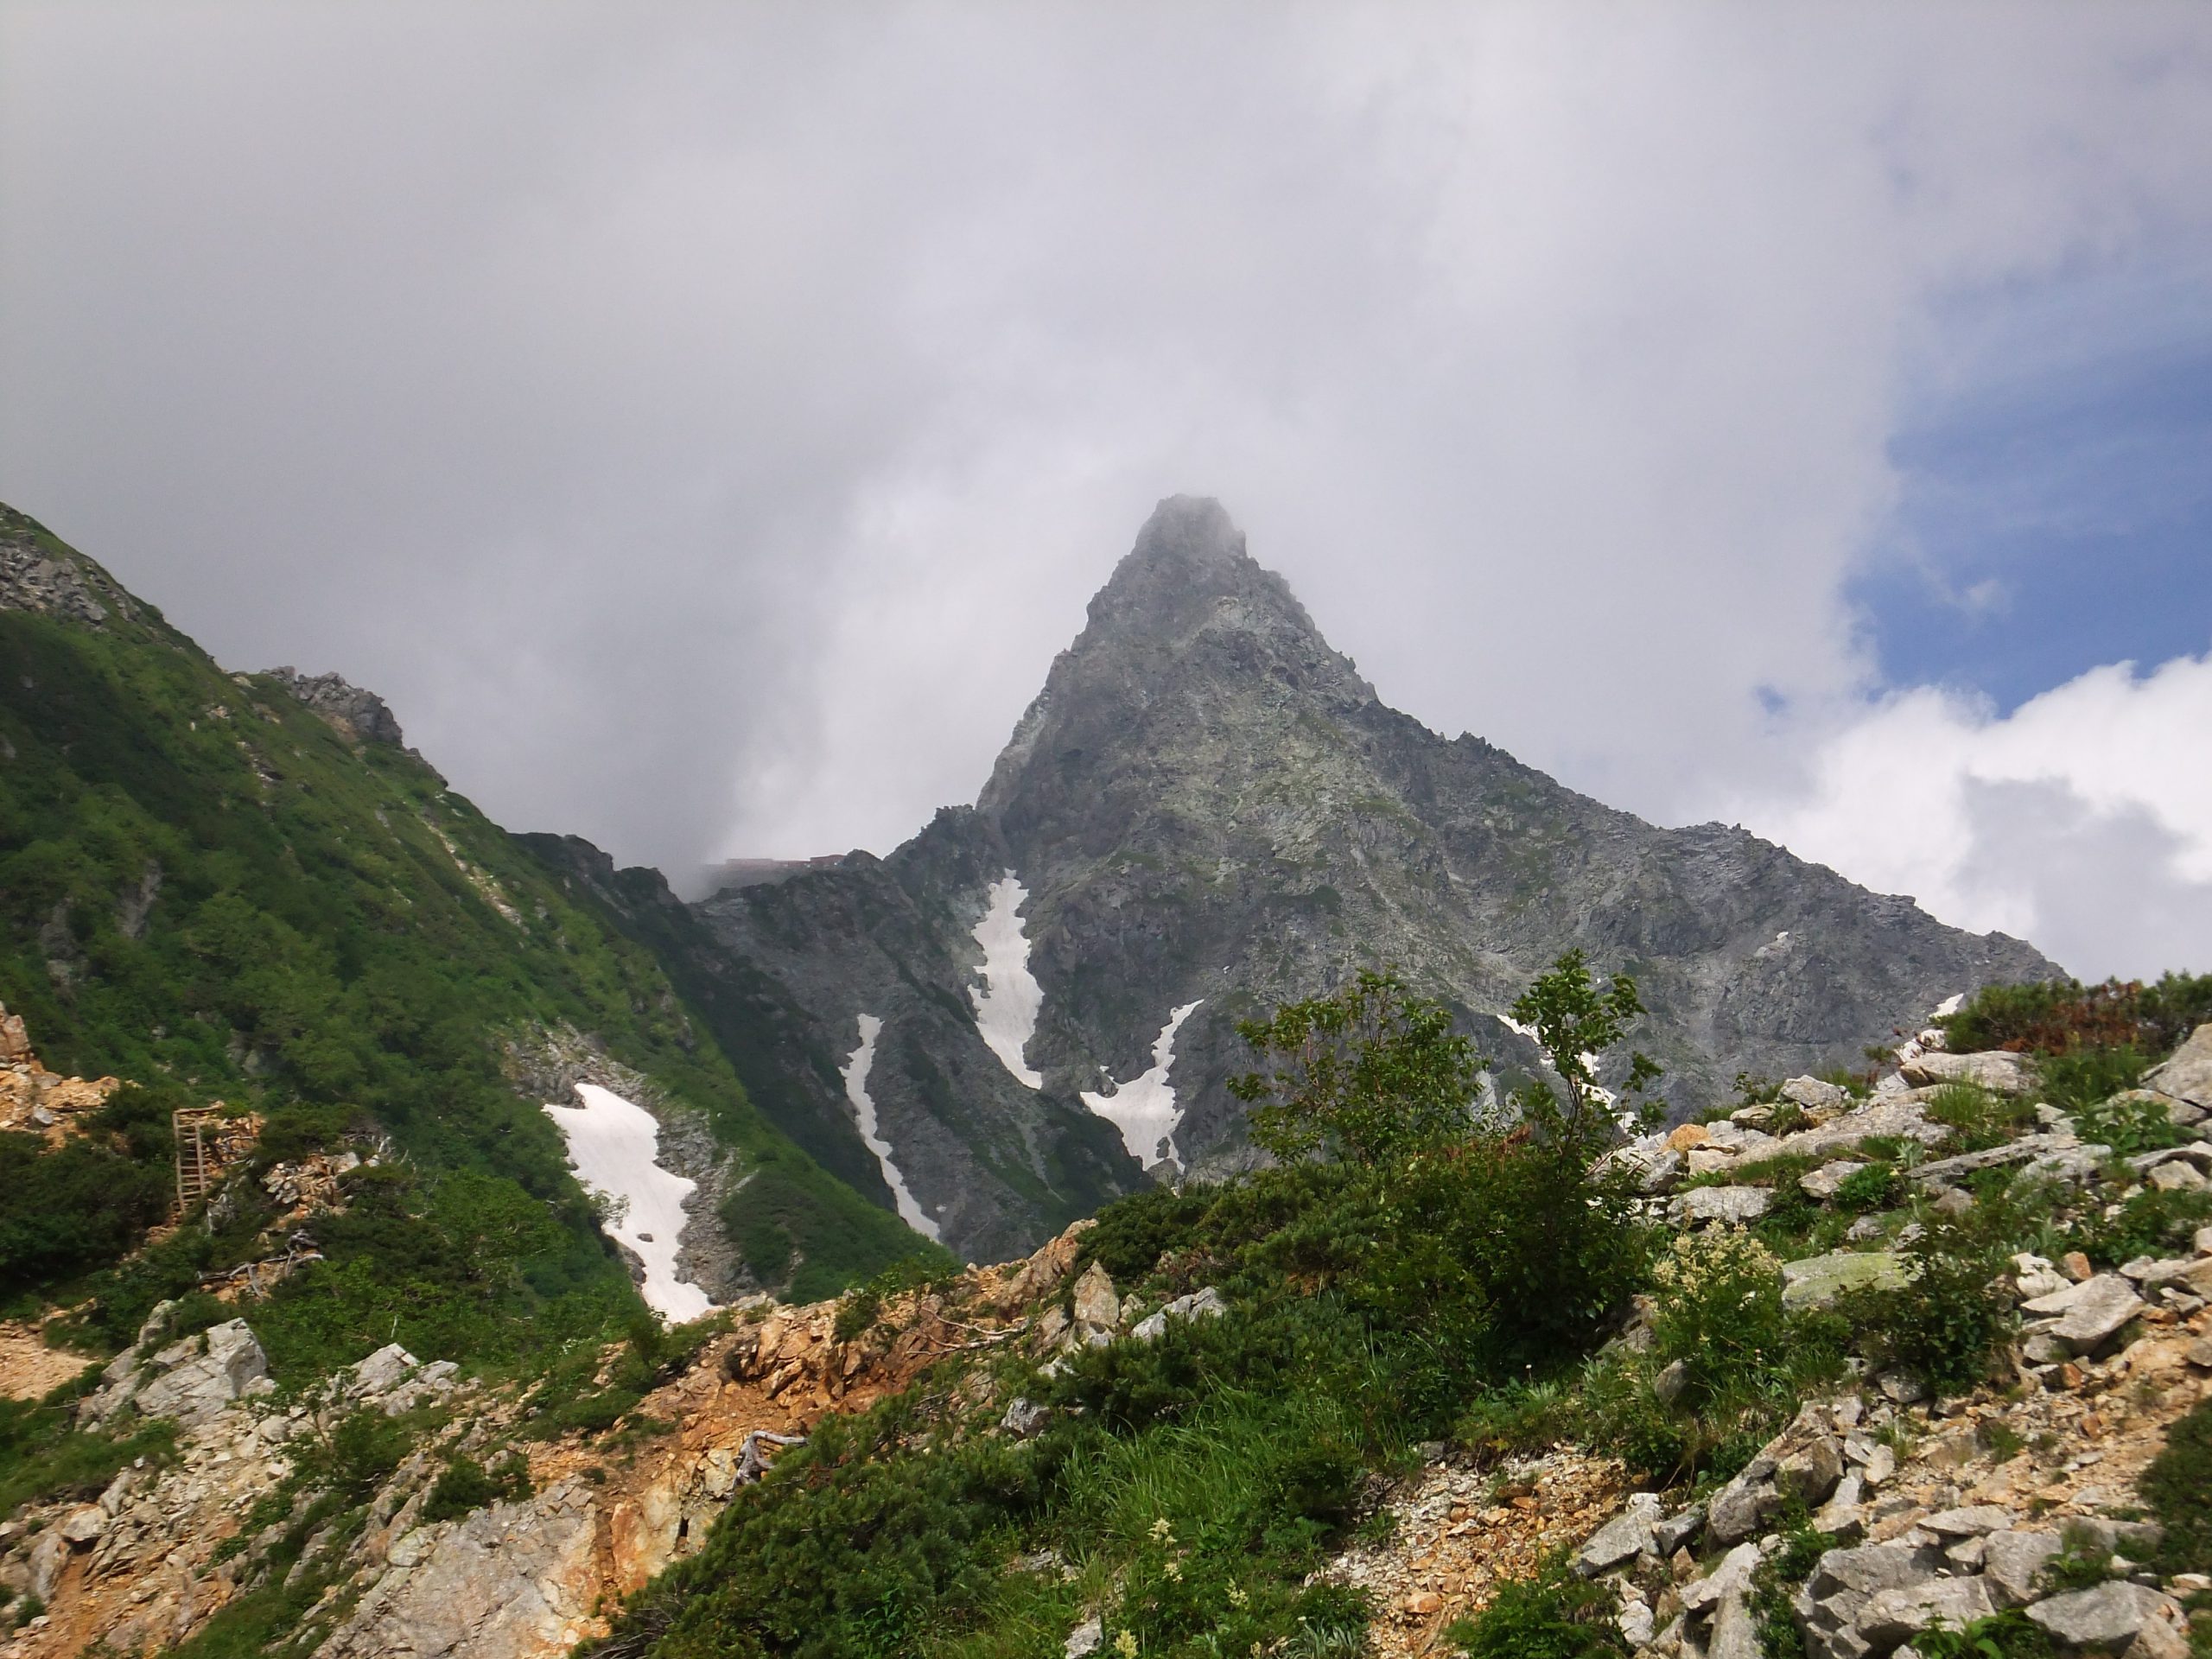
<point>1207,811</point>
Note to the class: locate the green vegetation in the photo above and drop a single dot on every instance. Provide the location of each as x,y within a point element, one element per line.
<point>206,887</point>
<point>1554,1615</point>
<point>1192,1484</point>
<point>2063,1016</point>
<point>465,1484</point>
<point>42,1460</point>
<point>2179,1488</point>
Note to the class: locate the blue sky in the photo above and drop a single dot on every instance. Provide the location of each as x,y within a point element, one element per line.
<point>2055,506</point>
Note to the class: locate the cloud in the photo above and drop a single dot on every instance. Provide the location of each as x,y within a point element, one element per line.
<point>2082,820</point>
<point>705,424</point>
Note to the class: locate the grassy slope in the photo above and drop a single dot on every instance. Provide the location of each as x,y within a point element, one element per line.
<point>327,946</point>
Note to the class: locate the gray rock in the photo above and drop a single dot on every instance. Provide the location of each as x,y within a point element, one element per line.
<point>1198,1304</point>
<point>1891,1616</point>
<point>2099,1307</point>
<point>1701,1204</point>
<point>1730,1575</point>
<point>1970,1522</point>
<point>494,1586</point>
<point>84,1524</point>
<point>1677,1529</point>
<point>1901,1388</point>
<point>1816,1281</point>
<point>1878,1119</point>
<point>1735,1635</point>
<point>1672,1378</point>
<point>2187,1075</point>
<point>1624,1538</point>
<point>1737,1508</point>
<point>1823,1183</point>
<point>1808,1477</point>
<point>2107,1615</point>
<point>1841,1516</point>
<point>1869,1568</point>
<point>197,1378</point>
<point>2177,1178</point>
<point>1084,1639</point>
<point>1097,1307</point>
<point>2165,1635</point>
<point>1023,1418</point>
<point>1998,1071</point>
<point>1813,1095</point>
<point>1636,1624</point>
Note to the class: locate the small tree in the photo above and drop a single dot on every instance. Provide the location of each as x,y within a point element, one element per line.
<point>1574,1023</point>
<point>1360,1074</point>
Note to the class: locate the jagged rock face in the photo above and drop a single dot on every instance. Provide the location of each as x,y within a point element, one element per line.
<point>994,1165</point>
<point>358,715</point>
<point>1207,805</point>
<point>38,574</point>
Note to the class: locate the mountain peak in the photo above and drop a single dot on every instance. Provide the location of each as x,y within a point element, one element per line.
<point>1194,530</point>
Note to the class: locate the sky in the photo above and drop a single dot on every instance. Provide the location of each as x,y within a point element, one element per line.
<point>705,424</point>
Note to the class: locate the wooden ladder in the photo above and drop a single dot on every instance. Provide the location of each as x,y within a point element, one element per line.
<point>196,1161</point>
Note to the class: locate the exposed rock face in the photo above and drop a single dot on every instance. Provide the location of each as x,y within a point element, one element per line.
<point>1208,808</point>
<point>38,574</point>
<point>356,715</point>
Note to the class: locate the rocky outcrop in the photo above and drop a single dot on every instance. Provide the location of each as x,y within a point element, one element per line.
<point>35,1100</point>
<point>356,715</point>
<point>38,574</point>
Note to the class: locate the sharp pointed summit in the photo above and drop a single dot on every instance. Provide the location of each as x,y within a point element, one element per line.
<point>1206,811</point>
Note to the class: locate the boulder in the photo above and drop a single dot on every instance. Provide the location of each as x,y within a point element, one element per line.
<point>2096,1309</point>
<point>1624,1538</point>
<point>2036,1276</point>
<point>1198,1304</point>
<point>2165,1635</point>
<point>1871,1569</point>
<point>1817,1281</point>
<point>1969,1522</point>
<point>1878,1118</point>
<point>1737,1508</point>
<point>1730,1575</point>
<point>1722,1203</point>
<point>1823,1183</point>
<point>1807,1478</point>
<point>1085,1639</point>
<point>2187,1075</point>
<point>2013,1562</point>
<point>1814,1096</point>
<point>1677,1529</point>
<point>197,1378</point>
<point>1735,1634</point>
<point>2107,1616</point>
<point>1893,1615</point>
<point>1998,1071</point>
<point>1097,1307</point>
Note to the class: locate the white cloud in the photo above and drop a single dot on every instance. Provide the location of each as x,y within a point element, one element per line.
<point>2082,820</point>
<point>705,424</point>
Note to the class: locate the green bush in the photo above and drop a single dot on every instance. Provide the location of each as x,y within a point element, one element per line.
<point>1877,1187</point>
<point>351,1459</point>
<point>2008,1635</point>
<point>1718,1301</point>
<point>1947,1322</point>
<point>2177,1486</point>
<point>2155,1222</point>
<point>1132,1234</point>
<point>465,1485</point>
<point>1554,1615</point>
<point>1982,1118</point>
<point>2127,1126</point>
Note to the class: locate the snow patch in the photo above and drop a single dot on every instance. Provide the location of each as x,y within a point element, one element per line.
<point>1606,1096</point>
<point>1144,1108</point>
<point>614,1147</point>
<point>861,1063</point>
<point>1948,1006</point>
<point>1008,1003</point>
